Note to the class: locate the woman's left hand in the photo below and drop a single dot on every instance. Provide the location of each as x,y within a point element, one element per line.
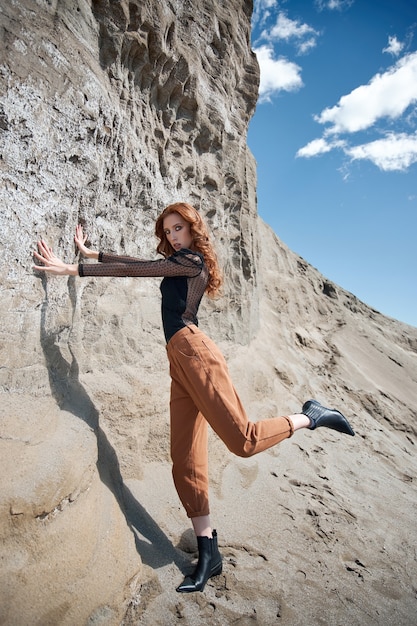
<point>51,263</point>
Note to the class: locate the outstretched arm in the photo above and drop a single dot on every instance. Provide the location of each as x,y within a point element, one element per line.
<point>80,240</point>
<point>51,264</point>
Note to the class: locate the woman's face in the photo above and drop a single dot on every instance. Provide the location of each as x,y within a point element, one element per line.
<point>177,231</point>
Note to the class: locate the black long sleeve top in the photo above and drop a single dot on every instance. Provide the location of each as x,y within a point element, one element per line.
<point>185,278</point>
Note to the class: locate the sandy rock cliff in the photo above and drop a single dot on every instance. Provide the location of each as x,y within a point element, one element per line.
<point>109,111</point>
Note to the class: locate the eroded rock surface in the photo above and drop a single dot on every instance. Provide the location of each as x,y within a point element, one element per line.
<point>109,111</point>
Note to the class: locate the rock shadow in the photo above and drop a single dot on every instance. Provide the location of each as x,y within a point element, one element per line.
<point>70,395</point>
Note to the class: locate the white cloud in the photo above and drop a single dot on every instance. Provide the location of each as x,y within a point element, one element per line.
<point>276,74</point>
<point>391,95</point>
<point>386,95</point>
<point>307,45</point>
<point>319,146</point>
<point>265,4</point>
<point>314,148</point>
<point>285,29</point>
<point>279,74</point>
<point>396,152</point>
<point>333,5</point>
<point>261,10</point>
<point>394,46</point>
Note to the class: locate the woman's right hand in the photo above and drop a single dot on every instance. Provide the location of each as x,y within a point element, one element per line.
<point>80,240</point>
<point>51,264</point>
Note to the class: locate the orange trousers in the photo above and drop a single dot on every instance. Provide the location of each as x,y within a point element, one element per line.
<point>202,393</point>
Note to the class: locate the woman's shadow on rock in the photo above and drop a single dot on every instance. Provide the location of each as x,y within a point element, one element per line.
<point>71,396</point>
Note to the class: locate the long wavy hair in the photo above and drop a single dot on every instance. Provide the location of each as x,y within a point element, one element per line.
<point>201,241</point>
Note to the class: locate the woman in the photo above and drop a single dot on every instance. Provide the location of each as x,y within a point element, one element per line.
<point>201,390</point>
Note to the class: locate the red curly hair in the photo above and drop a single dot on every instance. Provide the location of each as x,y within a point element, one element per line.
<point>201,241</point>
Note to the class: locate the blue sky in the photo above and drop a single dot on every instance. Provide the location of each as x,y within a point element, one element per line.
<point>335,139</point>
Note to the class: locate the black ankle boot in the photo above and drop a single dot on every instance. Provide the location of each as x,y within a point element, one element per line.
<point>329,418</point>
<point>209,564</point>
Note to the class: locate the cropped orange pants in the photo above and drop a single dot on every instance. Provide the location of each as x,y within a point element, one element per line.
<point>202,393</point>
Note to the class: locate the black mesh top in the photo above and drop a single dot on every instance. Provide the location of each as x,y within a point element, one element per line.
<point>185,277</point>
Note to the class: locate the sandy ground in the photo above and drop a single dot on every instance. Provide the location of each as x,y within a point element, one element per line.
<point>319,530</point>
